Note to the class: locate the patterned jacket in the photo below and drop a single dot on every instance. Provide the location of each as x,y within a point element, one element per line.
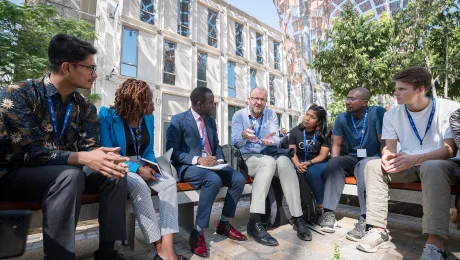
<point>27,124</point>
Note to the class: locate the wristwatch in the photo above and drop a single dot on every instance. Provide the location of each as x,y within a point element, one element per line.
<point>309,161</point>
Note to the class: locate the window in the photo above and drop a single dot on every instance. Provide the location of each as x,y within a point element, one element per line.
<point>183,25</point>
<point>272,89</point>
<point>291,125</point>
<point>169,59</point>
<point>201,73</point>
<point>128,65</point>
<point>253,78</point>
<point>278,116</point>
<point>289,93</point>
<point>212,29</point>
<point>276,55</point>
<point>239,39</point>
<point>231,79</point>
<point>147,11</point>
<point>231,111</point>
<point>260,58</point>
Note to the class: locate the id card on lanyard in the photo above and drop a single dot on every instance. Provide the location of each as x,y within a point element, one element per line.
<point>58,136</point>
<point>305,146</point>
<point>361,153</point>
<point>430,121</point>
<point>203,141</point>
<point>256,147</point>
<point>137,139</point>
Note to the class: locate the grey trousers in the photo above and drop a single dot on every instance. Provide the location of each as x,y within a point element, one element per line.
<point>59,188</point>
<point>152,227</point>
<point>335,172</point>
<point>436,176</point>
<point>262,168</point>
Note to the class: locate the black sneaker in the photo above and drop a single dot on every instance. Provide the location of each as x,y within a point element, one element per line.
<point>113,256</point>
<point>358,232</point>
<point>327,222</point>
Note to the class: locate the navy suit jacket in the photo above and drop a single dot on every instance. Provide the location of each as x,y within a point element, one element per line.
<point>183,136</point>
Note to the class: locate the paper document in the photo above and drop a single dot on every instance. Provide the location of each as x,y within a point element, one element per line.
<point>216,167</point>
<point>154,166</point>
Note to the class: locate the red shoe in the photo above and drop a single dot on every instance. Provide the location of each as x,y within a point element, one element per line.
<point>198,244</point>
<point>230,232</point>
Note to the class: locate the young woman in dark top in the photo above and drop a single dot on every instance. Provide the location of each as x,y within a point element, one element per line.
<point>309,139</point>
<point>129,124</point>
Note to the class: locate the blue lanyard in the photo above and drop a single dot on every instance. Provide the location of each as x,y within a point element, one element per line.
<point>260,125</point>
<point>137,140</point>
<point>363,131</point>
<point>203,139</point>
<point>54,122</point>
<point>305,146</point>
<point>430,120</point>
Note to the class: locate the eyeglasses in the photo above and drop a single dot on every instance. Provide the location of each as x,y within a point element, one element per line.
<point>91,67</point>
<point>261,100</point>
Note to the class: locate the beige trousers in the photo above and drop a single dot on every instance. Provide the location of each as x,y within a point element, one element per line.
<point>262,168</point>
<point>436,176</point>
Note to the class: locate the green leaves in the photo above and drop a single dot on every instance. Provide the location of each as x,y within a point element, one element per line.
<point>25,32</point>
<point>366,53</point>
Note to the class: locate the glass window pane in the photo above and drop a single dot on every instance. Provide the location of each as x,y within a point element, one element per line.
<point>289,93</point>
<point>231,80</point>
<point>212,29</point>
<point>276,55</point>
<point>169,79</point>
<point>183,22</point>
<point>128,70</point>
<point>200,83</point>
<point>202,65</point>
<point>260,59</point>
<point>239,39</point>
<point>147,11</point>
<point>272,89</point>
<point>253,79</point>
<point>129,49</point>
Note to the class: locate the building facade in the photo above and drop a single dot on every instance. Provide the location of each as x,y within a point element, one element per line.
<point>177,45</point>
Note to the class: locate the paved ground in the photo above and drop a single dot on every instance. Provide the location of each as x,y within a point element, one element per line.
<point>406,232</point>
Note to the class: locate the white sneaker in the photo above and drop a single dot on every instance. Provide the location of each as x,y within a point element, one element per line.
<point>373,241</point>
<point>432,252</point>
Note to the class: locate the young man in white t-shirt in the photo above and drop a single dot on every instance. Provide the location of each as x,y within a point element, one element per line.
<point>421,125</point>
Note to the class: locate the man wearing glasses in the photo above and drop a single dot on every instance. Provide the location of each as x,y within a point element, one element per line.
<point>253,129</point>
<point>54,133</point>
<point>361,128</point>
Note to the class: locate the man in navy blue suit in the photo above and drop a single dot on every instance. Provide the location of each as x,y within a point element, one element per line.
<point>193,136</point>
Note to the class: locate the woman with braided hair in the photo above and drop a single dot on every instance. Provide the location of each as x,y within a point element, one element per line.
<point>129,124</point>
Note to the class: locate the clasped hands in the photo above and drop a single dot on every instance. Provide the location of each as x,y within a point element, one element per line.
<point>208,161</point>
<point>398,162</point>
<point>248,134</point>
<point>302,167</point>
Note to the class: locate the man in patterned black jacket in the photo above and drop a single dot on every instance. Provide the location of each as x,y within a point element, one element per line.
<point>54,132</point>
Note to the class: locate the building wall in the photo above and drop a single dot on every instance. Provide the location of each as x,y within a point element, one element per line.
<point>114,15</point>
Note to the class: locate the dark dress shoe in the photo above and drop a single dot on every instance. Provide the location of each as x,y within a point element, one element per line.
<point>229,231</point>
<point>198,244</point>
<point>113,256</point>
<point>260,235</point>
<point>302,231</point>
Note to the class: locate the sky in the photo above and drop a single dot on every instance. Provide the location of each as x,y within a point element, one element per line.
<point>16,1</point>
<point>263,10</point>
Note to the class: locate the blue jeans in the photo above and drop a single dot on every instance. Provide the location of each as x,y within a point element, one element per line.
<point>315,178</point>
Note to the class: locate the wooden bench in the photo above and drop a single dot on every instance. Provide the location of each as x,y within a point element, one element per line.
<point>405,192</point>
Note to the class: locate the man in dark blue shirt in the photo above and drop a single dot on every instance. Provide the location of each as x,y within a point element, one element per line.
<point>361,128</point>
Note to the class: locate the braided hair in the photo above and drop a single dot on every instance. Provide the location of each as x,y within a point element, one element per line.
<point>131,99</point>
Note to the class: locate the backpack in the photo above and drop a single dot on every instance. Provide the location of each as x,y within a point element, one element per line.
<point>308,201</point>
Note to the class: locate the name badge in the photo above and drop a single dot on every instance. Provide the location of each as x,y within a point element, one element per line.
<point>421,151</point>
<point>362,153</point>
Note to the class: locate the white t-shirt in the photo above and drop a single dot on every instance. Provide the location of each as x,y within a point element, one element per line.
<point>396,125</point>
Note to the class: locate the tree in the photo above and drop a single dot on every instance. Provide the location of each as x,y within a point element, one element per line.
<point>25,32</point>
<point>356,53</point>
<point>366,53</point>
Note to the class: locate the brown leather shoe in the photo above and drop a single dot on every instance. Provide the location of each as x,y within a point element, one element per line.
<point>230,232</point>
<point>198,244</point>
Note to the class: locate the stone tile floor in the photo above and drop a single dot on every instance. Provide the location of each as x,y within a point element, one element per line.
<point>407,241</point>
